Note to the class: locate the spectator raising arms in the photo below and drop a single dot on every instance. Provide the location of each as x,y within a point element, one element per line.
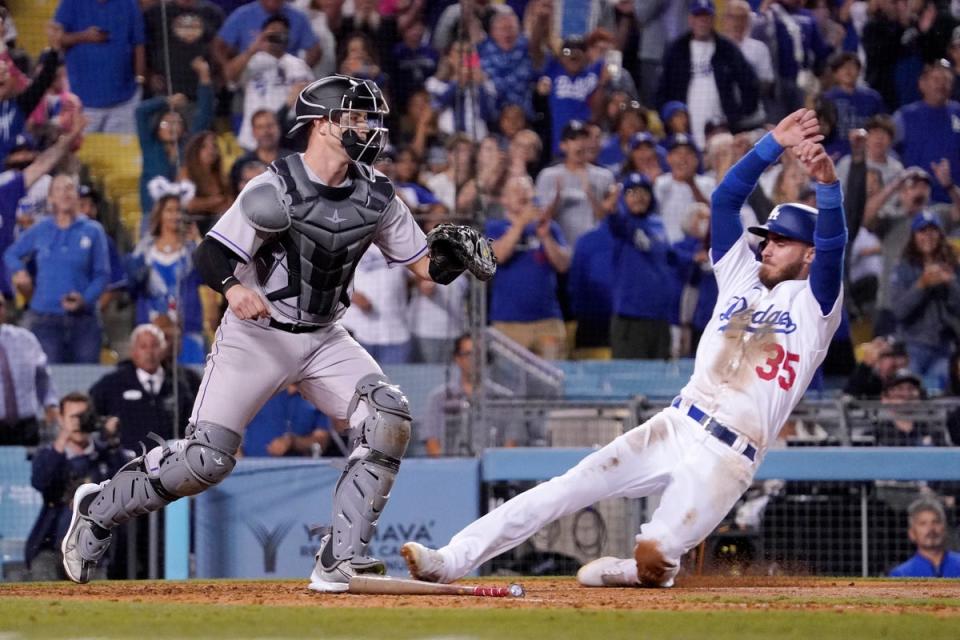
<point>160,127</point>
<point>73,268</point>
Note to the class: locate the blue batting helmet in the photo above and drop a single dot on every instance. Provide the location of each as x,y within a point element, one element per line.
<point>790,220</point>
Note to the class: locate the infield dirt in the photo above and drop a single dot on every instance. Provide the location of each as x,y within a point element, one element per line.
<point>713,593</point>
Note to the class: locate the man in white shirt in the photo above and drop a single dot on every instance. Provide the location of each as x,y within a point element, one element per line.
<point>737,21</point>
<point>267,73</point>
<point>682,187</point>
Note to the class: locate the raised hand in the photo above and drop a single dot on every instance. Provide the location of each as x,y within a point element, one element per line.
<point>816,161</point>
<point>800,125</point>
<point>941,170</point>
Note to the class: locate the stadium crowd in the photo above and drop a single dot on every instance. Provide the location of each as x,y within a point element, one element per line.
<point>586,136</point>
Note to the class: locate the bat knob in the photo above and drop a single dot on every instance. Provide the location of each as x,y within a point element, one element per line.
<point>516,590</point>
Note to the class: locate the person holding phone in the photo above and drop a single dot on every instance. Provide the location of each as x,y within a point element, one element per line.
<point>462,93</point>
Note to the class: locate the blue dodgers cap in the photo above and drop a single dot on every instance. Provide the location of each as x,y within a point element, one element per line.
<point>643,137</point>
<point>925,219</point>
<point>701,7</point>
<point>794,221</point>
<point>671,108</point>
<point>636,180</point>
<point>680,140</point>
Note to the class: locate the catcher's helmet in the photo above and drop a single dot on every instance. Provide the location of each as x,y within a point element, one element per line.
<point>790,220</point>
<point>335,96</point>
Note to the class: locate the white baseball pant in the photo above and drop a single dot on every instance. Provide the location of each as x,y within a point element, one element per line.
<point>701,478</point>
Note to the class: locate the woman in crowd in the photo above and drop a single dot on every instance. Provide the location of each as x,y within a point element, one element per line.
<point>162,132</point>
<point>162,277</point>
<point>203,167</point>
<point>928,297</point>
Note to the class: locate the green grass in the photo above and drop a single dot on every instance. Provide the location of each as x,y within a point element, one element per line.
<point>30,618</point>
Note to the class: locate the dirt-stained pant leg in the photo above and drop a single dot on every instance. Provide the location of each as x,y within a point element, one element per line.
<point>635,464</point>
<point>705,482</point>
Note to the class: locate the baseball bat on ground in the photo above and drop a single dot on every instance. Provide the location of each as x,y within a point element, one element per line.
<point>385,585</point>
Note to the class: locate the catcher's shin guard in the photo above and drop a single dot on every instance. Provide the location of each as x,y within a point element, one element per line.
<point>364,487</point>
<point>154,480</point>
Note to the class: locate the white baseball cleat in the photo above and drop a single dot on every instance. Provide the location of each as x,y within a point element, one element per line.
<point>82,548</point>
<point>424,564</point>
<point>609,572</point>
<point>330,575</point>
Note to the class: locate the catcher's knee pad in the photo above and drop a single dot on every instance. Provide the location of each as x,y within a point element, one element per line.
<point>364,487</point>
<point>157,478</point>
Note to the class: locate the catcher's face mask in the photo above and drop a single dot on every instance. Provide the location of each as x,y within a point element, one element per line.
<point>362,133</point>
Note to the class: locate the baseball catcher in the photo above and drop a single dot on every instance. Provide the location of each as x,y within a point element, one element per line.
<point>284,256</point>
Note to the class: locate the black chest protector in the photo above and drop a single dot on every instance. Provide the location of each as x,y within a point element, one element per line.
<point>330,229</point>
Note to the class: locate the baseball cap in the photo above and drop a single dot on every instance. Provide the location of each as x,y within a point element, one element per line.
<point>671,108</point>
<point>901,376</point>
<point>914,173</point>
<point>573,43</point>
<point>894,348</point>
<point>23,142</point>
<point>573,129</point>
<point>925,219</point>
<point>88,191</point>
<point>701,7</point>
<point>643,137</point>
<point>791,220</point>
<point>636,180</point>
<point>680,140</point>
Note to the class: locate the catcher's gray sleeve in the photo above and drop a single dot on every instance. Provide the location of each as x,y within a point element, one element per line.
<point>399,236</point>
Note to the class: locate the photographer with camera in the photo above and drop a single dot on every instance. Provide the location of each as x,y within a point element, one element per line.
<point>86,449</point>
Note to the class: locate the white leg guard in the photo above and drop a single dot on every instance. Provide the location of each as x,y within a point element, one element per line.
<point>364,488</point>
<point>154,480</point>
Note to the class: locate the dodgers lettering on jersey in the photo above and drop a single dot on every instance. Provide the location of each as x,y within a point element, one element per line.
<point>760,349</point>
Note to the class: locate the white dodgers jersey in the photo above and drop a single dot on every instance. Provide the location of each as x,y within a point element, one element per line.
<point>760,349</point>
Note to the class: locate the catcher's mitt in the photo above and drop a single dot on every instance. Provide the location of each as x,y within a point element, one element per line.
<point>455,248</point>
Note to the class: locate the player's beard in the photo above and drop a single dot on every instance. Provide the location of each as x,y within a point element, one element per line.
<point>771,276</point>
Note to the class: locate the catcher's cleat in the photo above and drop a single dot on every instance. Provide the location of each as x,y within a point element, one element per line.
<point>85,542</point>
<point>609,572</point>
<point>333,576</point>
<point>424,564</point>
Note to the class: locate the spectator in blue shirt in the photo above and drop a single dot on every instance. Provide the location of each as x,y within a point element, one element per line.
<point>590,286</point>
<point>15,184</point>
<point>928,530</point>
<point>531,251</point>
<point>463,96</point>
<point>571,84</point>
<point>412,62</point>
<point>73,268</point>
<point>242,29</point>
<point>106,61</point>
<point>507,58</point>
<point>928,130</point>
<point>288,425</point>
<point>645,297</point>
<point>854,104</point>
<point>630,120</point>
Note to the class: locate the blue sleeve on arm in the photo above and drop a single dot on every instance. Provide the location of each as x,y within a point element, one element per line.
<point>830,239</point>
<point>732,192</point>
<point>100,274</point>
